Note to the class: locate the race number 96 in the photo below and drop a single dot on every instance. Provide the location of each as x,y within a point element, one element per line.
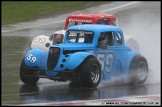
<point>31,58</point>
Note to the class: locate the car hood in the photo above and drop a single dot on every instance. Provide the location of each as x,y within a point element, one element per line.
<point>75,46</point>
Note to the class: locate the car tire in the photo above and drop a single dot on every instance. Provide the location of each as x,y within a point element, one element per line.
<point>26,75</point>
<point>138,70</point>
<point>90,73</point>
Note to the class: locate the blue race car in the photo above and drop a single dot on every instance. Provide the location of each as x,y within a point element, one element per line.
<point>89,53</point>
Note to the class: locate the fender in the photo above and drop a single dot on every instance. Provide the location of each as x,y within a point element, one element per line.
<point>76,59</point>
<point>126,63</point>
<point>36,58</point>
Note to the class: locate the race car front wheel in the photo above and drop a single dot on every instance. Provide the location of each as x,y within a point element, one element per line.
<point>26,75</point>
<point>90,73</point>
<point>138,70</point>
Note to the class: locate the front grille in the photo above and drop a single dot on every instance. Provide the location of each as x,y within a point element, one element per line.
<point>53,58</point>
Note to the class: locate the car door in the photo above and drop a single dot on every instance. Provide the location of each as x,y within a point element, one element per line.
<point>119,51</point>
<point>105,55</point>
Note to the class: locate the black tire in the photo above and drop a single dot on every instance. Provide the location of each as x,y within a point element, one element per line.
<point>138,70</point>
<point>90,72</point>
<point>26,75</point>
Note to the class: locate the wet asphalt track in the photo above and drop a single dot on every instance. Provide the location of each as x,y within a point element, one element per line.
<point>14,42</point>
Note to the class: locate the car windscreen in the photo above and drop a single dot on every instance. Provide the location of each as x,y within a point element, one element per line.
<point>76,23</point>
<point>71,24</point>
<point>80,36</point>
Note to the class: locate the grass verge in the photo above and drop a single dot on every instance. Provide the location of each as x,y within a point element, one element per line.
<point>19,11</point>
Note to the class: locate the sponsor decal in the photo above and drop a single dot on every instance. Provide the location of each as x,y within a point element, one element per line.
<point>78,20</point>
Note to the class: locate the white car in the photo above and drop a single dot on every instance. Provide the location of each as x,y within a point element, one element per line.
<point>44,42</point>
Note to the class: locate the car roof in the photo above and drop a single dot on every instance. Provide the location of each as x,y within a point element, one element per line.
<point>95,28</point>
<point>97,15</point>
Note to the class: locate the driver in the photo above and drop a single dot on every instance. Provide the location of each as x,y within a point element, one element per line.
<point>103,41</point>
<point>58,37</point>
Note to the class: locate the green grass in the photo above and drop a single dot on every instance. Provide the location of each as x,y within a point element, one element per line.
<point>18,11</point>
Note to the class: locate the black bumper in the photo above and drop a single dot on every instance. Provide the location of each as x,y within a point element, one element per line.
<point>61,75</point>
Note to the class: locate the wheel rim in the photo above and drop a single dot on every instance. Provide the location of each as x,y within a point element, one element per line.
<point>95,73</point>
<point>142,71</point>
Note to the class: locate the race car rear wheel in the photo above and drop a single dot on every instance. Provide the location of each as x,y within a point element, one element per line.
<point>26,75</point>
<point>90,73</point>
<point>138,70</point>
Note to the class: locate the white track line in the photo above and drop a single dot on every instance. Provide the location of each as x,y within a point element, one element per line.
<point>118,7</point>
<point>124,5</point>
<point>32,26</point>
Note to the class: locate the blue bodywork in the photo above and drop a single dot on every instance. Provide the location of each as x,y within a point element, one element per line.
<point>114,60</point>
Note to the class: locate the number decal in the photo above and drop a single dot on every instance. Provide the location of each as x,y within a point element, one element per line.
<point>39,39</point>
<point>100,57</point>
<point>108,59</point>
<point>31,58</point>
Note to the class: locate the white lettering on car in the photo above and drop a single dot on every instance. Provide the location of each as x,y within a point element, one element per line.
<point>76,20</point>
<point>31,58</point>
<point>106,61</point>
